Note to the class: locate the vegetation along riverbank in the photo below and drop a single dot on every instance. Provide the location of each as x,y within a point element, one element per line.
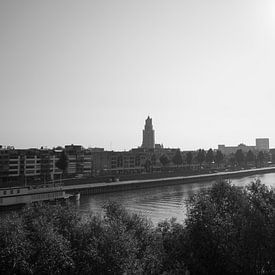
<point>227,230</point>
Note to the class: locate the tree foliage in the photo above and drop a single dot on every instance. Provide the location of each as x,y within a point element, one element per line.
<point>250,157</point>
<point>260,158</point>
<point>148,165</point>
<point>189,158</point>
<point>177,158</point>
<point>201,156</point>
<point>62,162</point>
<point>164,160</point>
<point>153,159</point>
<point>46,239</point>
<point>228,230</point>
<point>219,157</point>
<point>239,156</point>
<point>209,157</point>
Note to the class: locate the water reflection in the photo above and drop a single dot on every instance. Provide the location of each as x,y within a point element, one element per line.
<point>159,203</point>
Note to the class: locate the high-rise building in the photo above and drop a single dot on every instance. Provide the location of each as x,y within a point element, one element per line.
<point>148,141</point>
<point>262,144</point>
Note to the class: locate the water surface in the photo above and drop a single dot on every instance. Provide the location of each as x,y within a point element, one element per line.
<point>160,203</point>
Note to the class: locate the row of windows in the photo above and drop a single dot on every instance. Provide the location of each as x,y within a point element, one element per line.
<point>32,172</point>
<point>32,166</point>
<point>13,161</point>
<point>10,192</point>
<point>12,172</point>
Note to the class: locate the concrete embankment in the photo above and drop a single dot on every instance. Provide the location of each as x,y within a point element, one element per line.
<point>95,188</point>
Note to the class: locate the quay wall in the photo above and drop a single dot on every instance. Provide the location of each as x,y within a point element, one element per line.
<point>96,188</point>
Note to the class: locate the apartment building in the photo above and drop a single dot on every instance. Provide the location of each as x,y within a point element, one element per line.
<point>49,171</point>
<point>87,163</point>
<point>14,164</point>
<point>75,156</point>
<point>27,166</point>
<point>31,164</point>
<point>4,164</point>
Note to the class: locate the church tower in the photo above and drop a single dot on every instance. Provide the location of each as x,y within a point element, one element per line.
<point>148,135</point>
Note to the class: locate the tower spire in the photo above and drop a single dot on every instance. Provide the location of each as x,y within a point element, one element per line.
<point>148,141</point>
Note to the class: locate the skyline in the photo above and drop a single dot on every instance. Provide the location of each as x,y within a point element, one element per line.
<point>90,72</point>
<point>149,143</point>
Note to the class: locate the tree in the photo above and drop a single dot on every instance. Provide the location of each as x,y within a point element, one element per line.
<point>250,157</point>
<point>52,250</point>
<point>260,158</point>
<point>153,159</point>
<point>177,158</point>
<point>62,162</point>
<point>52,239</point>
<point>209,158</point>
<point>219,157</point>
<point>148,165</point>
<point>189,158</point>
<point>232,160</point>
<point>239,156</point>
<point>272,155</point>
<point>231,230</point>
<point>14,246</point>
<point>164,160</point>
<point>173,240</point>
<point>201,156</point>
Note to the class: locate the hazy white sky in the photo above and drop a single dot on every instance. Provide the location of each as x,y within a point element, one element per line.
<point>90,72</point>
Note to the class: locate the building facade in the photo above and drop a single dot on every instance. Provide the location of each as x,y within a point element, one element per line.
<point>127,162</point>
<point>262,144</point>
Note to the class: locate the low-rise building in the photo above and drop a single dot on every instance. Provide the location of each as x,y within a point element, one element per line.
<point>228,150</point>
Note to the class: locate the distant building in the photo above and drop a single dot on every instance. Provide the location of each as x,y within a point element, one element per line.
<point>227,150</point>
<point>79,160</point>
<point>148,141</point>
<point>262,144</point>
<point>126,162</point>
<point>95,149</point>
<point>158,146</point>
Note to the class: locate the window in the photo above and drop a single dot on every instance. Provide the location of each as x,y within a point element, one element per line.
<point>30,161</point>
<point>18,191</point>
<point>11,192</point>
<point>5,192</point>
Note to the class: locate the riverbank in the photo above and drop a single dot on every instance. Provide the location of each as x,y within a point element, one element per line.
<point>103,187</point>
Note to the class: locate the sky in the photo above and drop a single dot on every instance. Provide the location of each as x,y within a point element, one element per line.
<point>90,72</point>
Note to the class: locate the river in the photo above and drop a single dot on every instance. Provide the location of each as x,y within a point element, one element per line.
<point>160,203</point>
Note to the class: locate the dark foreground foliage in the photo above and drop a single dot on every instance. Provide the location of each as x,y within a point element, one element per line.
<point>228,230</point>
